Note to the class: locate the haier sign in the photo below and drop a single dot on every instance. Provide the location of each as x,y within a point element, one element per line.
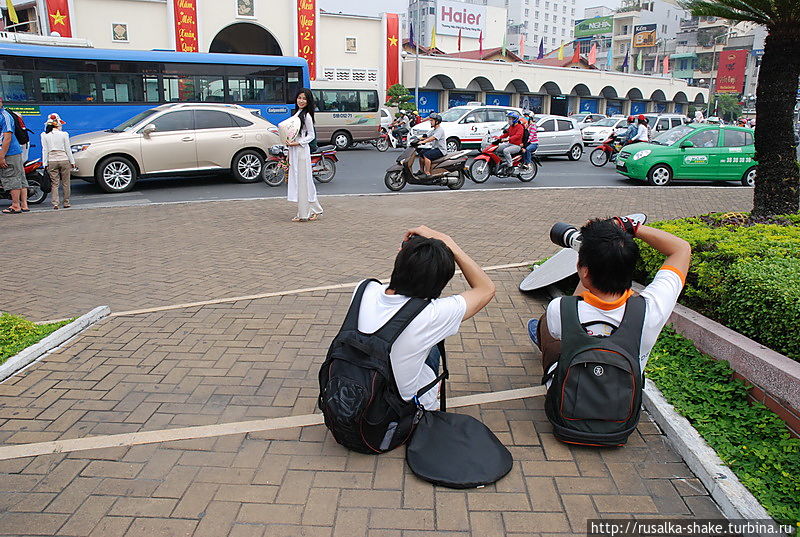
<point>452,17</point>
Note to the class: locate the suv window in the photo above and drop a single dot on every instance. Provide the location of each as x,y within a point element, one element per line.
<point>564,125</point>
<point>175,121</point>
<point>737,139</point>
<point>706,138</point>
<point>478,116</point>
<point>242,122</point>
<point>677,122</point>
<point>212,119</point>
<point>663,124</point>
<point>495,115</point>
<point>549,125</point>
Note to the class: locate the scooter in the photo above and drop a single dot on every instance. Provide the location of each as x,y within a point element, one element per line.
<point>323,164</point>
<point>38,183</point>
<point>490,162</point>
<point>449,171</point>
<point>606,152</point>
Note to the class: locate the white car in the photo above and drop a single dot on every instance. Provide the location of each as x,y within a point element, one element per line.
<point>586,119</point>
<point>600,131</point>
<point>465,126</point>
<point>559,135</point>
<point>386,118</point>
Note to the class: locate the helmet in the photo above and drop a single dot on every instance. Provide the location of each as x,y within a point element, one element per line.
<point>435,117</point>
<point>514,116</point>
<point>631,119</point>
<point>641,117</point>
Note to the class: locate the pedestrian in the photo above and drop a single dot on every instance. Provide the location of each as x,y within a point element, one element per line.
<point>301,180</point>
<point>57,158</point>
<point>12,172</point>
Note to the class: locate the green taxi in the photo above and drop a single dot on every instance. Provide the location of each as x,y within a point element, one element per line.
<point>697,151</point>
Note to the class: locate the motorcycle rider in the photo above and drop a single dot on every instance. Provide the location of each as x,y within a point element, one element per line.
<point>513,134</point>
<point>533,139</point>
<point>631,132</point>
<point>439,145</point>
<point>401,125</point>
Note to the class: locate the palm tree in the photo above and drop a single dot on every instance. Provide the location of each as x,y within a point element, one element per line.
<point>777,188</point>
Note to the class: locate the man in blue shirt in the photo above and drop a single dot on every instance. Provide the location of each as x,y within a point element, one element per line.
<point>12,172</point>
<point>630,134</point>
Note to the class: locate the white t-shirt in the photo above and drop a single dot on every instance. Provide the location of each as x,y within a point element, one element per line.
<point>660,298</point>
<point>439,320</point>
<point>642,134</point>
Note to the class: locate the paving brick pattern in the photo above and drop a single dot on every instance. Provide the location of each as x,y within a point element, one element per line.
<point>192,252</point>
<point>259,358</point>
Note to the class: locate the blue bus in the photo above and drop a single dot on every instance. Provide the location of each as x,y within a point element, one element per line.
<point>96,89</point>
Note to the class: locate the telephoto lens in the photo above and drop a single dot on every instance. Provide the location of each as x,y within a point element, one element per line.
<point>566,236</point>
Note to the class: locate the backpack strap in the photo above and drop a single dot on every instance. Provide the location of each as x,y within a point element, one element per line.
<point>571,328</point>
<point>390,331</point>
<point>351,319</point>
<point>629,333</point>
<point>441,378</point>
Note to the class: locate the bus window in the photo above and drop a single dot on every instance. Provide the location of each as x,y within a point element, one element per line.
<point>179,89</point>
<point>151,89</point>
<point>68,87</point>
<point>122,88</point>
<point>294,82</point>
<point>16,87</point>
<point>261,89</point>
<point>369,101</point>
<point>210,89</point>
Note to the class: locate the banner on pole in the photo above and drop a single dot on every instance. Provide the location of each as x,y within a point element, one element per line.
<point>307,34</point>
<point>186,26</point>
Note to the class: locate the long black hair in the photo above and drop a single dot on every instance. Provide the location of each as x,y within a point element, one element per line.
<point>308,110</point>
<point>48,128</point>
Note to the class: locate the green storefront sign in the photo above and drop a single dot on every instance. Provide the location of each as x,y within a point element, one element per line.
<point>595,26</point>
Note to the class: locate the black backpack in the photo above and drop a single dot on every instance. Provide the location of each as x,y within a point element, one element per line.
<point>526,135</point>
<point>358,393</point>
<point>596,394</point>
<point>20,130</point>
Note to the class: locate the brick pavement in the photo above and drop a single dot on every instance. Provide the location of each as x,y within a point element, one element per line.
<point>259,358</point>
<point>135,257</point>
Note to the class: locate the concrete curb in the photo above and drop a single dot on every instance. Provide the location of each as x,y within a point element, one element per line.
<point>734,500</point>
<point>35,352</point>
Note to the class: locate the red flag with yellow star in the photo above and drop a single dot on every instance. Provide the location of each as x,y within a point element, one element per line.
<point>392,49</point>
<point>58,17</point>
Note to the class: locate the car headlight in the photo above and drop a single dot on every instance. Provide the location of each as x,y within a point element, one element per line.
<point>641,154</point>
<point>79,147</point>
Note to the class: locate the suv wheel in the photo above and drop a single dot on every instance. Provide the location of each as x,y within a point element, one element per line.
<point>247,166</point>
<point>341,140</point>
<point>116,174</point>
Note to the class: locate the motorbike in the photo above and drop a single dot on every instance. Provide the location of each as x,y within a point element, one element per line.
<point>38,183</point>
<point>449,171</point>
<point>606,152</point>
<point>276,168</point>
<point>489,161</point>
<point>388,139</point>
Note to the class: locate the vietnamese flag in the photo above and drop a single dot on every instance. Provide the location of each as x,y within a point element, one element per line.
<point>392,49</point>
<point>58,17</point>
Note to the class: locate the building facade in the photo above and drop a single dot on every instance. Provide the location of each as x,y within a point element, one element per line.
<point>645,29</point>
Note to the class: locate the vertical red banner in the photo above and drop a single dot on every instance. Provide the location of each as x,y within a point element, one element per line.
<point>392,49</point>
<point>186,26</point>
<point>730,74</point>
<point>307,34</point>
<point>58,17</point>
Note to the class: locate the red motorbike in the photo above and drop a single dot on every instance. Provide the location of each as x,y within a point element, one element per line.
<point>490,162</point>
<point>38,183</point>
<point>323,164</point>
<point>606,152</point>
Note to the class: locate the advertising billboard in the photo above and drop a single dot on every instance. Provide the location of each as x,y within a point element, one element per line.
<point>594,26</point>
<point>452,17</point>
<point>644,35</point>
<point>732,67</point>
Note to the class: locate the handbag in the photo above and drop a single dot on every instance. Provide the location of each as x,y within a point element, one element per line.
<point>288,129</point>
<point>455,450</point>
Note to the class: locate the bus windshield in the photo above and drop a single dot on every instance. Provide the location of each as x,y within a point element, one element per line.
<point>129,124</point>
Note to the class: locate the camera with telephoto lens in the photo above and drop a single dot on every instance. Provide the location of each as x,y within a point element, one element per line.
<point>566,236</point>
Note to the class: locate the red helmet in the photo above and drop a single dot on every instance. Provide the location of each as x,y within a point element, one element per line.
<point>631,119</point>
<point>641,117</point>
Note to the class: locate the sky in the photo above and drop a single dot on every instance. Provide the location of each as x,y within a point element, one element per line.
<point>374,7</point>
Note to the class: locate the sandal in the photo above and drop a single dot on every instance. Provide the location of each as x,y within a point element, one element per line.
<point>67,205</point>
<point>313,217</point>
<point>298,219</point>
<point>25,210</point>
<point>10,211</point>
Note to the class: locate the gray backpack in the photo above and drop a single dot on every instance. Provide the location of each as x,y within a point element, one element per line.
<point>596,394</point>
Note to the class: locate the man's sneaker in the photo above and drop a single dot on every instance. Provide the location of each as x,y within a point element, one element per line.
<point>533,325</point>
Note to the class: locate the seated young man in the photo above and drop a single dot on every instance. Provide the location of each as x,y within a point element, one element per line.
<point>606,260</point>
<point>423,267</point>
<point>439,148</point>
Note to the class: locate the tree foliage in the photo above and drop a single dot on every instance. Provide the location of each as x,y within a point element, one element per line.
<point>399,96</point>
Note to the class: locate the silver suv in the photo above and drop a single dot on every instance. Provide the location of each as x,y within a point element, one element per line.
<point>176,139</point>
<point>559,135</point>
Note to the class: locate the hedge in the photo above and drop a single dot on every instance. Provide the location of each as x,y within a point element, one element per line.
<point>743,274</point>
<point>747,436</point>
<point>17,333</point>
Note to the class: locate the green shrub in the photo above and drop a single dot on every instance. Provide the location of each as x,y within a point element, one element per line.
<point>17,333</point>
<point>750,439</point>
<point>762,298</point>
<point>721,242</point>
